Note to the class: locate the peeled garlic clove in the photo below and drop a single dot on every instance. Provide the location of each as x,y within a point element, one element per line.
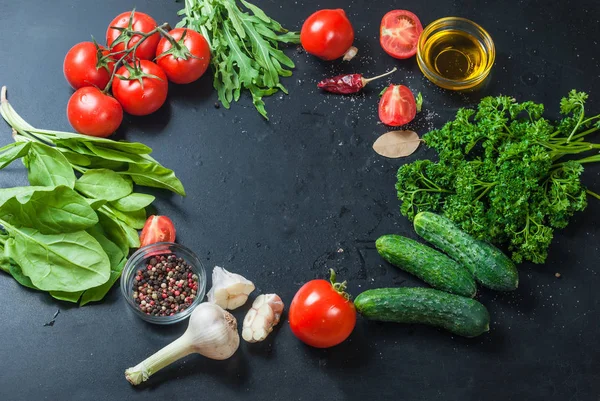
<point>229,290</point>
<point>262,317</point>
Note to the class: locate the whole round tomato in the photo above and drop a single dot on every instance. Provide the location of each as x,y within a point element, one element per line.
<point>157,229</point>
<point>140,22</point>
<point>81,66</point>
<point>327,34</point>
<point>321,315</point>
<point>141,89</point>
<point>399,33</point>
<point>94,113</point>
<point>187,61</point>
<point>397,106</point>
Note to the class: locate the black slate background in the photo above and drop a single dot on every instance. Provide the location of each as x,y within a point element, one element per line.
<point>276,201</point>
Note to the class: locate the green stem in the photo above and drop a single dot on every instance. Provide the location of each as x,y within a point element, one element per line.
<point>595,195</point>
<point>578,124</point>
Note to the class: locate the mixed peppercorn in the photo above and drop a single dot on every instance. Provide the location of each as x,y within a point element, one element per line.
<point>165,287</point>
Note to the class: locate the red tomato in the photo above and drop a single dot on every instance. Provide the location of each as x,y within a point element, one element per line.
<point>321,316</point>
<point>81,66</point>
<point>327,34</point>
<point>140,98</point>
<point>94,113</point>
<point>397,106</point>
<point>157,229</point>
<point>399,33</point>
<point>142,23</point>
<point>186,63</point>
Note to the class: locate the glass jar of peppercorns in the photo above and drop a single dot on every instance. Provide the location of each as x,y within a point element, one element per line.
<point>163,282</point>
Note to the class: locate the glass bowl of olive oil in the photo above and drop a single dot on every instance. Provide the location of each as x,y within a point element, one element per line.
<point>455,53</point>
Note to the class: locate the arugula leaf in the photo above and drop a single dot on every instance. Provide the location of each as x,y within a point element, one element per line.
<point>133,202</point>
<point>245,48</point>
<point>103,184</point>
<point>48,167</point>
<point>60,210</point>
<point>58,262</point>
<point>12,152</point>
<point>154,175</point>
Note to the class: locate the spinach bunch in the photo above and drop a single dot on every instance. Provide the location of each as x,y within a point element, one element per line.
<point>502,174</point>
<point>245,48</point>
<point>70,232</point>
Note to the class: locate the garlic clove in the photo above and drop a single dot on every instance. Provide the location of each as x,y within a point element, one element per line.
<point>262,317</point>
<point>229,290</point>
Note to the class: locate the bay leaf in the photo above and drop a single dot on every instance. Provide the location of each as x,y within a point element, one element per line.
<point>395,144</point>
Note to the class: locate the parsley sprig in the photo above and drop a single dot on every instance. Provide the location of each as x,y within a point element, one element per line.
<point>506,174</point>
<point>245,48</point>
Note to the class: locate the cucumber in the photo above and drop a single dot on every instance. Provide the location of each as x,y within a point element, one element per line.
<point>431,266</point>
<point>459,315</point>
<point>490,267</point>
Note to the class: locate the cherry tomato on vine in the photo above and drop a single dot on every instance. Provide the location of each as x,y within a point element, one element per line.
<point>81,66</point>
<point>397,106</point>
<point>118,40</point>
<point>141,89</point>
<point>157,229</point>
<point>399,33</point>
<point>327,34</point>
<point>321,314</point>
<point>92,112</point>
<point>188,60</point>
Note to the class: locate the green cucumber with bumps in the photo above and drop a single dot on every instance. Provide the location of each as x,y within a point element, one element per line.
<point>490,267</point>
<point>459,315</point>
<point>431,266</point>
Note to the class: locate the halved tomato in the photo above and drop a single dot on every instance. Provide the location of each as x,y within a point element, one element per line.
<point>399,33</point>
<point>397,106</point>
<point>157,229</point>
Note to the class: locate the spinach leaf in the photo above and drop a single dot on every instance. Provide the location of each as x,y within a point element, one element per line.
<point>60,210</point>
<point>16,272</point>
<point>103,184</point>
<point>58,262</point>
<point>95,203</point>
<point>67,296</point>
<point>48,167</point>
<point>75,157</point>
<point>134,219</point>
<point>12,152</point>
<point>117,262</point>
<point>132,202</point>
<point>114,154</point>
<point>21,193</point>
<point>154,175</point>
<point>114,230</point>
<point>68,139</point>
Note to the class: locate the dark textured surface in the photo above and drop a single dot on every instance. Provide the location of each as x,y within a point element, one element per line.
<point>279,201</point>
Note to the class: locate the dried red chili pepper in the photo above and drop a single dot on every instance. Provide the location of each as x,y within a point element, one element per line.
<point>348,83</point>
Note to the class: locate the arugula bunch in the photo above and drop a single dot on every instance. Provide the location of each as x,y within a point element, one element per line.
<point>70,232</point>
<point>502,174</point>
<point>245,48</point>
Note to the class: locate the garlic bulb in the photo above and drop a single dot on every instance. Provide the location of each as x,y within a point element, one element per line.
<point>212,332</point>
<point>229,290</point>
<point>264,315</point>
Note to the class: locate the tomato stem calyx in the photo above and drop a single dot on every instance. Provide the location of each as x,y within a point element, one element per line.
<point>340,288</point>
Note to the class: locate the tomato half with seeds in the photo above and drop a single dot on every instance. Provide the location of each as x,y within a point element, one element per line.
<point>92,112</point>
<point>397,106</point>
<point>157,229</point>
<point>321,313</point>
<point>399,33</point>
<point>142,88</point>
<point>118,41</point>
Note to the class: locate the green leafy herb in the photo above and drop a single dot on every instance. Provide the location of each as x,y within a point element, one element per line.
<point>501,175</point>
<point>103,184</point>
<point>48,167</point>
<point>419,102</point>
<point>245,48</point>
<point>133,202</point>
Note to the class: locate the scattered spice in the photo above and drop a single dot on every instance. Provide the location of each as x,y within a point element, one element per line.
<point>557,275</point>
<point>349,83</point>
<point>396,144</point>
<point>167,286</point>
<point>51,322</point>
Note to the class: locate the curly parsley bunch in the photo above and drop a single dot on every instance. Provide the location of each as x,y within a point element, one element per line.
<point>501,175</point>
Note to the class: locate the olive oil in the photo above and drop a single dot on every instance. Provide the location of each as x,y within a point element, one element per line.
<point>455,55</point>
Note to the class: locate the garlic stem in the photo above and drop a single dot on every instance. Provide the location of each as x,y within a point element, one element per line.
<point>166,356</point>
